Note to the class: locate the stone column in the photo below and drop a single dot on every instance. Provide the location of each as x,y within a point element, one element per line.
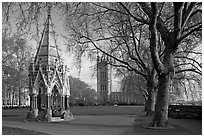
<point>31,102</point>
<point>35,109</point>
<point>59,100</point>
<point>49,110</point>
<point>63,102</point>
<point>66,102</point>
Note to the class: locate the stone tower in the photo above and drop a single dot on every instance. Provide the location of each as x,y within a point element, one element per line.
<point>104,83</point>
<point>48,79</point>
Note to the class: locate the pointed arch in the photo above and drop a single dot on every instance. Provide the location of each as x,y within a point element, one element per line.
<point>53,77</point>
<point>66,87</point>
<point>59,79</point>
<point>56,81</point>
<point>38,81</point>
<point>55,89</point>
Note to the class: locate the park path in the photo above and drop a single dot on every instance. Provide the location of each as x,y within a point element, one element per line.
<point>82,125</point>
<point>109,125</point>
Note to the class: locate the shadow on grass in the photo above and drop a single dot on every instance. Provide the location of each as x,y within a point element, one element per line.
<point>19,131</point>
<point>178,129</point>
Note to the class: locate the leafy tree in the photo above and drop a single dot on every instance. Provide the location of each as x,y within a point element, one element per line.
<point>16,58</point>
<point>81,90</point>
<point>27,16</point>
<point>131,83</point>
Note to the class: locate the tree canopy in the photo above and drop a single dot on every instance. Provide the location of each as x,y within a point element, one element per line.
<point>81,90</point>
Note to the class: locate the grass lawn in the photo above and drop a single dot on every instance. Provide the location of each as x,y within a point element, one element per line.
<point>20,114</point>
<point>18,131</point>
<point>107,110</point>
<point>182,126</point>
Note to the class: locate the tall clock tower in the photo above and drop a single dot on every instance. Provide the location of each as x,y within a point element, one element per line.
<point>104,77</point>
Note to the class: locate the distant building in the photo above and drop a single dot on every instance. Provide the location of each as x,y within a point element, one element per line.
<point>104,83</point>
<point>10,98</point>
<point>104,86</point>
<point>126,98</point>
<point>25,98</point>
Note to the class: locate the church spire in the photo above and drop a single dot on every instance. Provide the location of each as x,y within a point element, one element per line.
<point>47,52</point>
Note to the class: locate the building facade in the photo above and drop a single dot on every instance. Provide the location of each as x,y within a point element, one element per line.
<point>104,87</point>
<point>10,98</point>
<point>124,98</point>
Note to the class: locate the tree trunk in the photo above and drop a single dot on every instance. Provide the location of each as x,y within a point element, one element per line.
<point>146,104</point>
<point>161,109</point>
<point>19,97</point>
<point>151,103</point>
<point>20,88</point>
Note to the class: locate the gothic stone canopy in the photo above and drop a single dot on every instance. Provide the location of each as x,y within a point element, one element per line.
<point>47,69</point>
<point>48,78</point>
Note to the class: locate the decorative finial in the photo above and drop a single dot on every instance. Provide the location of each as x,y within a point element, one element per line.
<point>49,9</point>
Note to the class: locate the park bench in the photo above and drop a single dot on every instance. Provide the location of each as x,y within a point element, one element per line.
<point>185,111</point>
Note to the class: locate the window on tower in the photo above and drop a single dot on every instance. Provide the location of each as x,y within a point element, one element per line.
<point>101,75</point>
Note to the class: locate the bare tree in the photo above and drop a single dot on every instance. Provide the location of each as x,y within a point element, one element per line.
<point>108,29</point>
<point>97,23</point>
<point>16,57</point>
<point>180,27</point>
<point>127,33</point>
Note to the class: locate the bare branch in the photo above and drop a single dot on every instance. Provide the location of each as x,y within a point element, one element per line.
<point>153,46</point>
<point>187,13</point>
<point>161,9</point>
<point>191,70</point>
<point>199,53</point>
<point>129,67</point>
<point>144,92</point>
<point>199,64</point>
<point>159,23</point>
<point>192,26</point>
<point>177,18</point>
<point>137,19</point>
<point>135,44</point>
<point>198,28</point>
